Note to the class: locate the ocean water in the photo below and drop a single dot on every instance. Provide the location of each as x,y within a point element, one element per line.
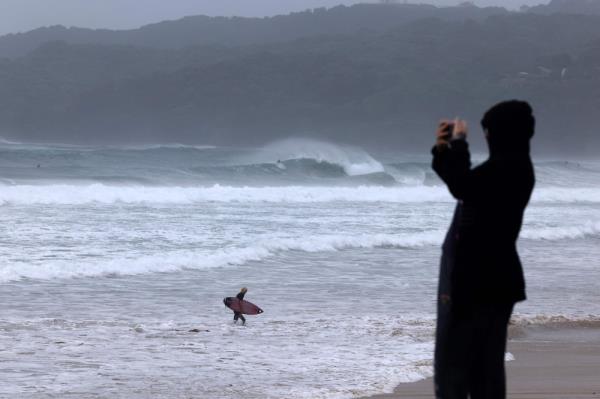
<point>114,262</point>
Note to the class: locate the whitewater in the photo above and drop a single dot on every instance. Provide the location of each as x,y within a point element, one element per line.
<point>114,262</point>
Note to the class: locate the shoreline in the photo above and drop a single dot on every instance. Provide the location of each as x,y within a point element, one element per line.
<point>550,362</point>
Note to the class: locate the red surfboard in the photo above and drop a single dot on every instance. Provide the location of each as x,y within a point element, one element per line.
<point>242,306</point>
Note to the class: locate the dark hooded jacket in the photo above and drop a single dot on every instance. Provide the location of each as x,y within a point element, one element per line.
<point>480,263</point>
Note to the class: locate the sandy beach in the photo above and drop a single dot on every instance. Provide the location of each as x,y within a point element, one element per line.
<point>550,362</point>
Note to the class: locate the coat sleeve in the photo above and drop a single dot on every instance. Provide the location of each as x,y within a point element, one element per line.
<point>452,163</point>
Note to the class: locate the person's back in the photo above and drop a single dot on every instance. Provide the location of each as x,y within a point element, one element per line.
<point>241,294</point>
<point>481,276</point>
<point>487,224</point>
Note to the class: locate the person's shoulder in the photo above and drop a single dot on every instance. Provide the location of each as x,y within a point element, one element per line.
<point>484,168</point>
<point>487,172</point>
<point>506,169</point>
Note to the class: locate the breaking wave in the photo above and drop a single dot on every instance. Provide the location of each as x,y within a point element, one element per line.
<point>176,261</point>
<point>560,320</point>
<point>170,146</point>
<point>72,194</point>
<point>353,160</point>
<point>590,229</point>
<point>292,172</point>
<point>235,256</point>
<point>292,162</point>
<point>61,194</point>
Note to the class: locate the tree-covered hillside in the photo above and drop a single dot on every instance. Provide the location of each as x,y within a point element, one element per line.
<point>373,87</point>
<point>235,31</point>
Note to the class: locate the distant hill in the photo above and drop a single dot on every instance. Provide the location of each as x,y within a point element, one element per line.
<point>590,7</point>
<point>371,87</point>
<point>235,31</point>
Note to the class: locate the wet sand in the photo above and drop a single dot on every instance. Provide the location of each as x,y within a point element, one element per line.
<point>550,363</point>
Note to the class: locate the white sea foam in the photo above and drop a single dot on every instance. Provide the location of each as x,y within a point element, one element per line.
<point>4,141</point>
<point>541,319</point>
<point>562,232</point>
<point>99,193</point>
<point>567,195</point>
<point>180,260</point>
<point>263,248</point>
<point>288,356</point>
<point>172,146</point>
<point>70,194</point>
<point>555,320</point>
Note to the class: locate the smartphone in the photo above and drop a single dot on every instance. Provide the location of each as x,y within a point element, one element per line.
<point>449,131</point>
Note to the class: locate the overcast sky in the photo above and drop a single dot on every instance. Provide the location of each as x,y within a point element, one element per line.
<point>23,15</point>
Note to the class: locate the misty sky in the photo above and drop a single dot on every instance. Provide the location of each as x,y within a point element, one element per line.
<point>23,15</point>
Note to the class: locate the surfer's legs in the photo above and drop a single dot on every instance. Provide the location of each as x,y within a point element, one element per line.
<point>236,316</point>
<point>469,352</point>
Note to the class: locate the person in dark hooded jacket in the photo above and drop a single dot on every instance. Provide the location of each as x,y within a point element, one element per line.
<point>481,277</point>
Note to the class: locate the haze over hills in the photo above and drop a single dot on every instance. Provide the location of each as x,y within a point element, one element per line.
<point>375,75</point>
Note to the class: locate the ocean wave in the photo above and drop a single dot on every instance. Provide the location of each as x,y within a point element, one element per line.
<point>202,259</point>
<point>563,327</point>
<point>302,171</point>
<point>567,195</point>
<point>84,147</point>
<point>167,146</point>
<point>413,173</point>
<point>72,194</point>
<point>296,162</point>
<point>4,141</point>
<point>562,232</point>
<point>264,248</point>
<point>65,194</point>
<point>354,160</point>
<point>555,320</point>
<point>292,162</point>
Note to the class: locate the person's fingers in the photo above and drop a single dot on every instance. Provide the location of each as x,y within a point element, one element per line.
<point>464,126</point>
<point>443,127</point>
<point>461,128</point>
<point>443,131</point>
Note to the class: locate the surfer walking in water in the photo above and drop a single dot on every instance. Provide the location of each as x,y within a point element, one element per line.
<point>239,315</point>
<point>240,307</point>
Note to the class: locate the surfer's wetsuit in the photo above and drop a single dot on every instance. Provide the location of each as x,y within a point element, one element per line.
<point>481,276</point>
<point>238,315</point>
